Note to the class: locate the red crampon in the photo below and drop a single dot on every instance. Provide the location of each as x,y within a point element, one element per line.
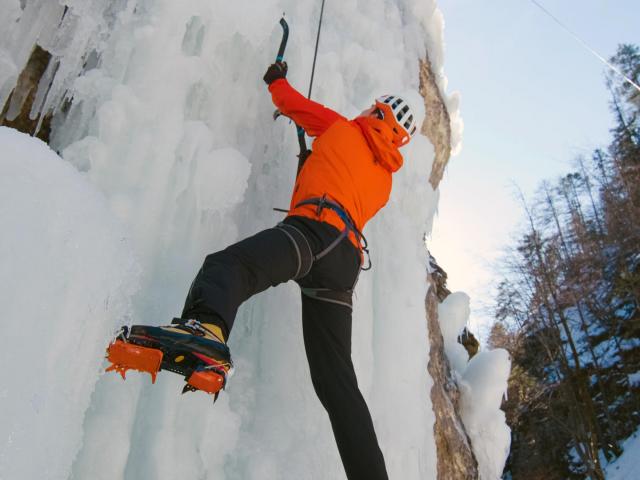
<point>200,372</point>
<point>127,356</point>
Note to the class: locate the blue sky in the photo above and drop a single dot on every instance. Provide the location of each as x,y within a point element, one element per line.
<point>533,99</point>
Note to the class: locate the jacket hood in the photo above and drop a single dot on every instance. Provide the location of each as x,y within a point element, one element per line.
<point>379,138</point>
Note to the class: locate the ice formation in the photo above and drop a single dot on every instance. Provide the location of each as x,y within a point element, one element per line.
<point>67,276</point>
<point>170,125</point>
<point>483,384</point>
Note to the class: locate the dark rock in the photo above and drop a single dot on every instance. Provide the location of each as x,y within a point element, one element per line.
<point>469,342</point>
<point>16,111</point>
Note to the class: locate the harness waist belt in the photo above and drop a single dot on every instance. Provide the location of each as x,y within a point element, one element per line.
<point>349,225</point>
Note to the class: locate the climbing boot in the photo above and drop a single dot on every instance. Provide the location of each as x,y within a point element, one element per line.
<point>195,350</point>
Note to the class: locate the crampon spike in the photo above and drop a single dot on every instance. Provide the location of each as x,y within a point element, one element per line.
<point>208,381</point>
<point>188,388</point>
<point>125,356</point>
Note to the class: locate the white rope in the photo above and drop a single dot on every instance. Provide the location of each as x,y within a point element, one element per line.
<point>585,45</point>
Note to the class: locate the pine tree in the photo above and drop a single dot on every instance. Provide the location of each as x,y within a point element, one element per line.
<point>568,308</point>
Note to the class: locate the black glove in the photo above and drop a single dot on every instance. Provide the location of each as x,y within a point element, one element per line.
<point>274,72</point>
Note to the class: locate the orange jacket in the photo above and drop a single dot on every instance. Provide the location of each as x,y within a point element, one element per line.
<point>352,160</point>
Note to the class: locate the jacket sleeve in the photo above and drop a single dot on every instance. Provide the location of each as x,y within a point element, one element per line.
<point>312,116</point>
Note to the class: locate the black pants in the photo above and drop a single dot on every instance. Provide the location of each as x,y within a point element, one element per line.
<point>231,276</point>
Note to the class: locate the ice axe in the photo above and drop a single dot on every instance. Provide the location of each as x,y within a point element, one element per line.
<point>302,143</point>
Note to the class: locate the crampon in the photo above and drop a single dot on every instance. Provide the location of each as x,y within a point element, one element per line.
<point>205,364</point>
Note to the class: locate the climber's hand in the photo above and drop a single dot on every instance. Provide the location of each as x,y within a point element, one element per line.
<point>275,71</point>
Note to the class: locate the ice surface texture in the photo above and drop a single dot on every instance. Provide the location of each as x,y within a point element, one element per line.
<point>483,384</point>
<point>170,121</point>
<point>66,282</point>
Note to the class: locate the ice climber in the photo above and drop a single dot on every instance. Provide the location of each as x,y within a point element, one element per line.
<point>341,186</point>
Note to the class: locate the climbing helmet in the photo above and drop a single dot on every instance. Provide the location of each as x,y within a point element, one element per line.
<point>397,113</point>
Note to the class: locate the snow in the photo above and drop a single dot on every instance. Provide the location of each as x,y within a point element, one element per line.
<point>483,384</point>
<point>634,379</point>
<point>66,282</point>
<point>626,466</point>
<point>453,313</point>
<point>169,154</point>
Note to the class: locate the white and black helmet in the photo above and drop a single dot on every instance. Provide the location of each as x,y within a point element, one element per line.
<point>401,116</point>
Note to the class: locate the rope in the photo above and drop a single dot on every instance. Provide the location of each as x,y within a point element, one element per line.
<point>585,45</point>
<point>315,55</point>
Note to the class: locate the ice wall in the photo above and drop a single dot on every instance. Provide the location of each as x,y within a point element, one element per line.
<point>483,384</point>
<point>67,278</point>
<point>171,121</point>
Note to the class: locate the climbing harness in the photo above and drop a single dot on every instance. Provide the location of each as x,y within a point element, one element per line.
<point>306,258</point>
<point>305,255</point>
<point>302,248</point>
<point>349,225</point>
<point>339,297</point>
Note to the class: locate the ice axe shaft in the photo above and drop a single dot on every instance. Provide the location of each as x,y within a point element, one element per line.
<point>280,55</point>
<point>283,42</point>
<point>302,141</point>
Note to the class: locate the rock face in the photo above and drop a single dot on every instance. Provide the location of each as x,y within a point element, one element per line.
<point>469,342</point>
<point>439,278</point>
<point>16,113</point>
<point>437,125</point>
<point>455,456</point>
